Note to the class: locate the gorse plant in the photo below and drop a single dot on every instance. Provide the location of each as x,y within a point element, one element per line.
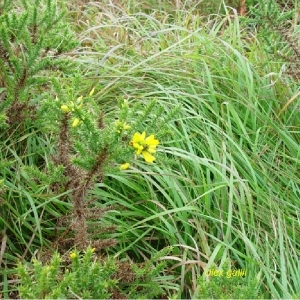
<point>276,23</point>
<point>86,148</point>
<point>98,145</point>
<point>86,276</point>
<point>32,40</point>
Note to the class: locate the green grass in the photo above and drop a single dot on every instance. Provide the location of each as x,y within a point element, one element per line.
<point>226,183</point>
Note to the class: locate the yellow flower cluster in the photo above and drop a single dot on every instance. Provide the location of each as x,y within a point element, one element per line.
<point>71,107</point>
<point>146,146</point>
<point>74,105</point>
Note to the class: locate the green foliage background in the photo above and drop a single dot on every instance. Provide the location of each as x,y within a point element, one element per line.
<point>218,90</point>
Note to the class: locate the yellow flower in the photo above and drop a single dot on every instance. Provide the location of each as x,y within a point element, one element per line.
<point>148,157</point>
<point>73,255</point>
<point>93,250</point>
<point>124,166</point>
<point>92,92</point>
<point>144,145</point>
<point>75,122</point>
<point>65,108</point>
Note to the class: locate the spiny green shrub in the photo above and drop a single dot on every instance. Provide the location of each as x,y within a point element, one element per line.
<point>33,38</point>
<point>83,275</point>
<point>89,145</point>
<point>276,24</point>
